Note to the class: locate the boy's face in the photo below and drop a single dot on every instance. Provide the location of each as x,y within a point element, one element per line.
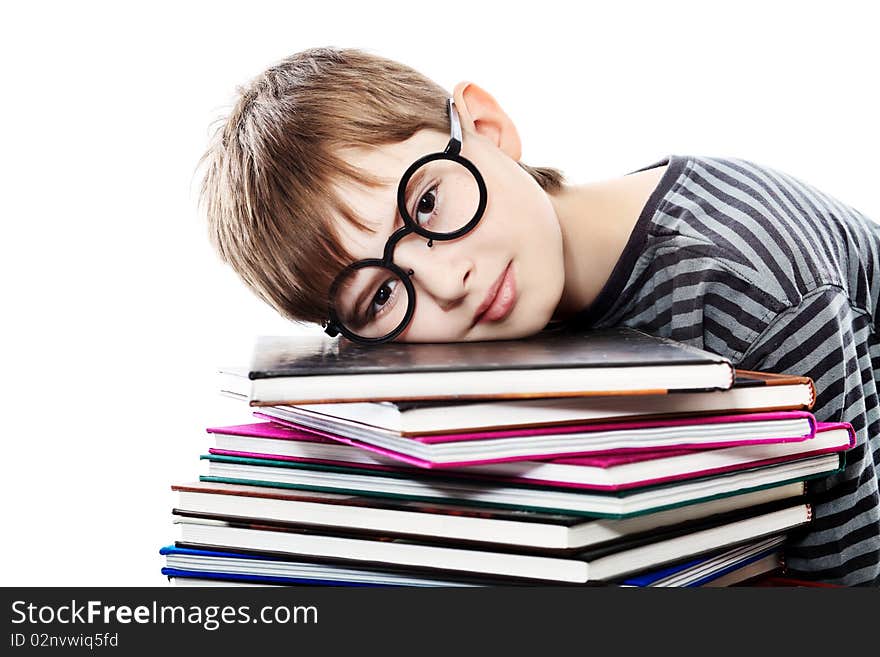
<point>514,251</point>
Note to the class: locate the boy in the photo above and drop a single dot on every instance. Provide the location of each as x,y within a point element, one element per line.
<point>344,186</point>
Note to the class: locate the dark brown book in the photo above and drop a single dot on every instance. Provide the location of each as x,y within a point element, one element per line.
<point>752,392</point>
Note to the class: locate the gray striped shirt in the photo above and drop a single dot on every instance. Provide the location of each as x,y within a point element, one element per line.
<point>761,268</point>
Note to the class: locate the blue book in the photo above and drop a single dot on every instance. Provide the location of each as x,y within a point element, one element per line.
<point>748,560</point>
<point>234,566</point>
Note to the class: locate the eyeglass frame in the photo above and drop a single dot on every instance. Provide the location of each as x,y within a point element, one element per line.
<point>333,326</point>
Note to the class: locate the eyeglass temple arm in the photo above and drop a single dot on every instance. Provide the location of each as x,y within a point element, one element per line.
<point>454,146</point>
<point>330,329</point>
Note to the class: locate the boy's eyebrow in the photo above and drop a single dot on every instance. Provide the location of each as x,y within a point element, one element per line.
<point>415,181</point>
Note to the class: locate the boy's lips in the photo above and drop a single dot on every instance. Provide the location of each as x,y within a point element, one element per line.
<point>500,298</point>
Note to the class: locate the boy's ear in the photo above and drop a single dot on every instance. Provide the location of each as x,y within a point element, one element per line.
<point>480,113</point>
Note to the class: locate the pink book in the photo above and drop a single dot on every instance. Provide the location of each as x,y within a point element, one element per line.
<point>618,471</point>
<point>532,444</point>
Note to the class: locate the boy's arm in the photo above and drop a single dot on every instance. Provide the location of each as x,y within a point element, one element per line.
<point>825,338</point>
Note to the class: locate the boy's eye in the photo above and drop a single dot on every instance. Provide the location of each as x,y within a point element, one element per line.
<point>384,292</point>
<point>426,206</point>
<point>381,297</point>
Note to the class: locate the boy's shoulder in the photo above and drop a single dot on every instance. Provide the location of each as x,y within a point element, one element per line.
<point>726,242</point>
<point>754,223</point>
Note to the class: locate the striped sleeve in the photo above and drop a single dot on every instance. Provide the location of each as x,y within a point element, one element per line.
<point>826,338</point>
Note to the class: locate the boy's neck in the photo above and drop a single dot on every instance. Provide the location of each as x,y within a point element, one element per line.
<point>596,221</point>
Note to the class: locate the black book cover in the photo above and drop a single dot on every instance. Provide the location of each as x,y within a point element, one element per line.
<point>287,356</point>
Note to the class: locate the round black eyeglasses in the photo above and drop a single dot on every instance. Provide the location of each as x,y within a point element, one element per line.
<point>441,197</point>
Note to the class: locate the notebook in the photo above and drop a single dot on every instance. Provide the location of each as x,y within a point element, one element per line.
<point>751,392</point>
<point>615,471</point>
<point>210,564</point>
<point>307,369</point>
<point>449,521</point>
<point>721,569</point>
<point>577,568</point>
<point>463,449</point>
<point>552,499</point>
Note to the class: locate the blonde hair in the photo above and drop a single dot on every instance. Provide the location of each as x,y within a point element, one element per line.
<point>268,190</point>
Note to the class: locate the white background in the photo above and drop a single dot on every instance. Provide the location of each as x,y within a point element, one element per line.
<point>116,311</point>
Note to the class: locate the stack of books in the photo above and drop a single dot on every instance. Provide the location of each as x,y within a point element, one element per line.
<point>603,457</point>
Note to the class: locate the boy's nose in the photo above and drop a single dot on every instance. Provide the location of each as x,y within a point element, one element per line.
<point>441,271</point>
